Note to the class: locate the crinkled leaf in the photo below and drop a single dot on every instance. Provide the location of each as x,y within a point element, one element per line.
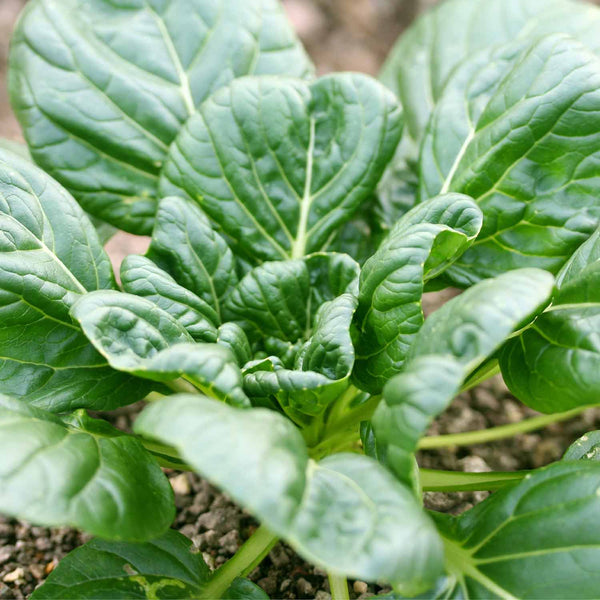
<point>539,539</point>
<point>79,472</point>
<point>553,365</point>
<point>310,505</point>
<point>232,336</point>
<point>138,337</point>
<point>411,401</point>
<point>587,447</point>
<point>454,341</point>
<point>102,88</point>
<point>141,277</point>
<point>165,567</point>
<point>185,246</point>
<point>428,52</point>
<point>472,326</point>
<point>419,247</point>
<point>280,164</point>
<point>49,256</point>
<point>538,197</point>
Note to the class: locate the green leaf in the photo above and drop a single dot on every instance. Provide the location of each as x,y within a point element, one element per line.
<point>185,246</point>
<point>49,256</point>
<point>232,336</point>
<point>538,539</point>
<point>79,472</point>
<point>538,198</point>
<point>139,84</point>
<point>428,52</point>
<point>310,505</point>
<point>242,589</point>
<point>138,337</point>
<point>141,277</point>
<point>474,325</point>
<point>454,341</point>
<point>15,147</point>
<point>586,447</point>
<point>419,247</point>
<point>279,164</point>
<point>411,401</point>
<point>553,365</point>
<point>165,567</point>
<point>303,309</point>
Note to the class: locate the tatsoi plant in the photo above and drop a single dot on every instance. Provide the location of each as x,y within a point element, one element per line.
<point>274,325</point>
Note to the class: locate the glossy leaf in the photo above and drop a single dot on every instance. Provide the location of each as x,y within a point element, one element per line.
<point>553,365</point>
<point>100,103</point>
<point>50,255</point>
<point>279,164</point>
<point>428,52</point>
<point>516,160</point>
<point>79,472</point>
<point>454,341</point>
<point>232,336</point>
<point>138,337</point>
<point>587,447</point>
<point>185,246</point>
<point>141,277</point>
<point>165,568</point>
<point>419,247</point>
<point>538,539</point>
<point>243,589</point>
<point>267,470</point>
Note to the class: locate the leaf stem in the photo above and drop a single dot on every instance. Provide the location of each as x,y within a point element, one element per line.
<point>339,587</point>
<point>245,560</point>
<point>451,481</point>
<point>483,436</point>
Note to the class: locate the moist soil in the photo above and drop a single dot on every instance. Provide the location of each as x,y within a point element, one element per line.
<point>339,35</point>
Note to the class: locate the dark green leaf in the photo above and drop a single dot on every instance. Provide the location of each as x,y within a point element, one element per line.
<point>138,337</point>
<point>310,505</point>
<point>553,365</point>
<point>539,199</point>
<point>185,246</point>
<point>80,472</point>
<point>586,447</point>
<point>242,589</point>
<point>232,336</point>
<point>141,277</point>
<point>100,103</point>
<point>49,256</point>
<point>164,568</point>
<point>419,247</point>
<point>539,539</point>
<point>280,164</point>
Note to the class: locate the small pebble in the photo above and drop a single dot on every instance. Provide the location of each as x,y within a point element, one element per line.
<point>181,485</point>
<point>305,587</point>
<point>321,595</point>
<point>11,577</point>
<point>360,587</point>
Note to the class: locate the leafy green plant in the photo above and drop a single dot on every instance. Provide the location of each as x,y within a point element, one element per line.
<point>275,324</point>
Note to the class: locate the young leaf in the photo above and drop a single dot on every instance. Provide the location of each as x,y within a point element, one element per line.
<point>279,164</point>
<point>539,539</point>
<point>185,245</point>
<point>243,589</point>
<point>50,255</point>
<point>553,365</point>
<point>267,470</point>
<point>586,447</point>
<point>139,84</point>
<point>539,200</point>
<point>141,277</point>
<point>389,315</point>
<point>138,337</point>
<point>79,472</point>
<point>164,567</point>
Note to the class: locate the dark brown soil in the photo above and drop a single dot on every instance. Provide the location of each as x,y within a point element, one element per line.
<point>340,35</point>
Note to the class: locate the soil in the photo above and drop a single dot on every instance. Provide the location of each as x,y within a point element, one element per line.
<point>340,35</point>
